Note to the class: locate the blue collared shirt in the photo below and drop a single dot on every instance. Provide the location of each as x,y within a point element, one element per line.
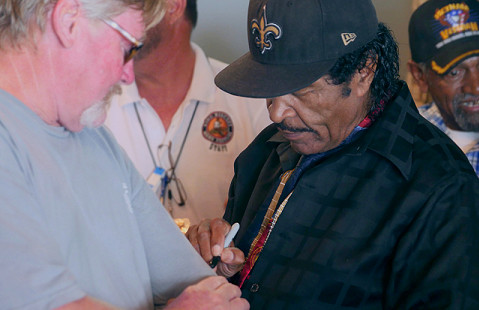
<point>432,114</point>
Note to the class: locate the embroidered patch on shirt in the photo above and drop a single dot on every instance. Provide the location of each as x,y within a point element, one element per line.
<point>218,128</point>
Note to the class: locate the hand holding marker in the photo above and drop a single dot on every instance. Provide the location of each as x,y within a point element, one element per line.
<point>229,237</point>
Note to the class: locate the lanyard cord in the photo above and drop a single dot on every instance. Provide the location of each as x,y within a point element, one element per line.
<point>182,144</point>
<point>144,134</point>
<point>184,139</point>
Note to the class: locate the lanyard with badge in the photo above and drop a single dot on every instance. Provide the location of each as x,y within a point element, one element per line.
<point>160,179</point>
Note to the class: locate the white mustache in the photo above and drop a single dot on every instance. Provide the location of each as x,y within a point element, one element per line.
<point>93,116</point>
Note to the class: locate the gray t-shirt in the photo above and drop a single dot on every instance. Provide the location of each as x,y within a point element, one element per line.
<point>77,219</point>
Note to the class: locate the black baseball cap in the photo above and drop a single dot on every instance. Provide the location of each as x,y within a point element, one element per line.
<point>443,33</point>
<point>292,43</point>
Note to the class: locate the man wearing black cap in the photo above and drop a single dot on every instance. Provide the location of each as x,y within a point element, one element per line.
<point>444,41</point>
<point>351,200</point>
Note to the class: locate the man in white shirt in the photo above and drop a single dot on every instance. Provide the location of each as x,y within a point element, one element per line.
<point>444,41</point>
<point>174,117</point>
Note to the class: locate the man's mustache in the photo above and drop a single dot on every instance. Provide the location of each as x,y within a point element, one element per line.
<point>285,127</point>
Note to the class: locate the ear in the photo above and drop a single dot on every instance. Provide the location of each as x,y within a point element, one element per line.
<point>64,18</point>
<point>175,10</point>
<point>418,74</point>
<point>364,78</point>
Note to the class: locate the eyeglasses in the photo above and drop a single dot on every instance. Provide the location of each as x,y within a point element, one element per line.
<point>137,45</point>
<point>173,187</point>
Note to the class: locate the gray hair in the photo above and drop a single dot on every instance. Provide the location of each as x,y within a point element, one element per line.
<point>423,66</point>
<point>19,19</point>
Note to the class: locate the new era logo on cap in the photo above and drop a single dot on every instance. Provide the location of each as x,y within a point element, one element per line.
<point>348,38</point>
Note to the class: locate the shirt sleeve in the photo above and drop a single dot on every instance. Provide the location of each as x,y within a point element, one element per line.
<point>32,272</point>
<point>173,263</point>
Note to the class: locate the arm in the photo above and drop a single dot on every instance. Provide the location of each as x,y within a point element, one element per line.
<point>30,258</point>
<point>172,262</point>
<point>211,293</point>
<point>208,294</point>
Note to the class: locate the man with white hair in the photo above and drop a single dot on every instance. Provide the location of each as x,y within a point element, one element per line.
<point>79,227</point>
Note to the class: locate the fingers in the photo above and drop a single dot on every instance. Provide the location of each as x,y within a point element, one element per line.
<point>219,228</point>
<point>211,283</point>
<point>205,239</point>
<point>232,261</point>
<point>210,293</point>
<point>208,237</point>
<point>228,292</point>
<point>239,304</point>
<point>232,256</point>
<point>192,236</point>
<point>199,237</point>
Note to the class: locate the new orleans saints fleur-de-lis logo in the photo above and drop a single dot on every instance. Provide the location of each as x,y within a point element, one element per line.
<point>263,30</point>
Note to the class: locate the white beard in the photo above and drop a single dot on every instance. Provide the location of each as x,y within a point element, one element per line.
<point>95,115</point>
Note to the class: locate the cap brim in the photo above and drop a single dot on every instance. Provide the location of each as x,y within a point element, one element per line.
<point>452,55</point>
<point>246,77</point>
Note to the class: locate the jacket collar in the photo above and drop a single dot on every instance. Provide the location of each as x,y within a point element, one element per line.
<point>392,136</point>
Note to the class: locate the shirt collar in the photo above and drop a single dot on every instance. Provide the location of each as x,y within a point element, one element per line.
<point>392,135</point>
<point>129,95</point>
